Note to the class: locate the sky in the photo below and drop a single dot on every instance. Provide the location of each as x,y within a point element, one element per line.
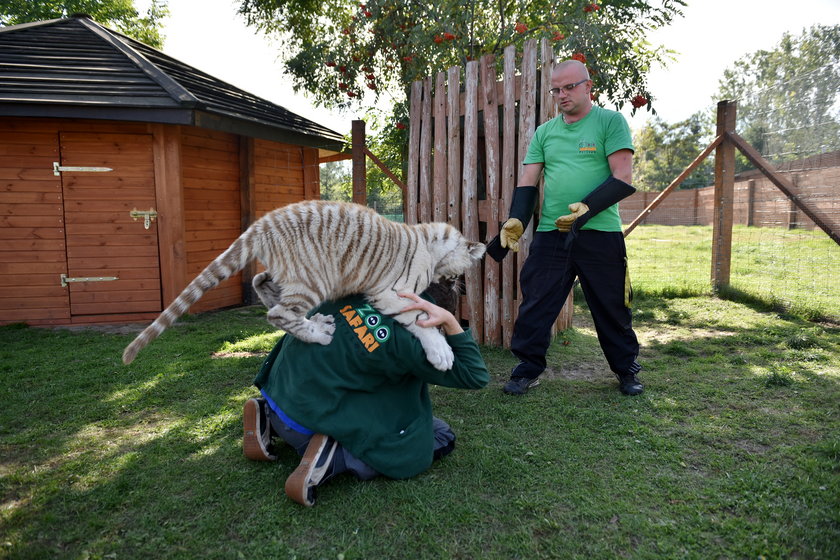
<point>209,35</point>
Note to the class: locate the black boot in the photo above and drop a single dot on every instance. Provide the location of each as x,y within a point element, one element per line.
<point>629,384</point>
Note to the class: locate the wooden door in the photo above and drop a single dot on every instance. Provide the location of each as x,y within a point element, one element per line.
<point>113,266</point>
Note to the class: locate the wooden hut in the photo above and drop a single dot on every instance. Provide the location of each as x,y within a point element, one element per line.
<point>123,172</point>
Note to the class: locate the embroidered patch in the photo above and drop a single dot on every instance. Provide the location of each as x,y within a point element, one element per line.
<point>374,322</point>
<point>585,146</point>
<point>367,324</point>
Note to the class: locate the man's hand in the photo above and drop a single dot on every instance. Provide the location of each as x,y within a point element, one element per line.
<point>436,316</point>
<point>577,209</point>
<point>511,231</point>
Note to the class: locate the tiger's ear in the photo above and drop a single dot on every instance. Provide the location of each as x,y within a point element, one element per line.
<point>475,249</point>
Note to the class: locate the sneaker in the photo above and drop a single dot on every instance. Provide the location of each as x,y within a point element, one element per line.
<point>312,471</point>
<point>256,440</point>
<point>629,384</point>
<point>520,385</point>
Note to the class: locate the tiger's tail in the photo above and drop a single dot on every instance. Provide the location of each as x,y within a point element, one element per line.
<point>223,267</point>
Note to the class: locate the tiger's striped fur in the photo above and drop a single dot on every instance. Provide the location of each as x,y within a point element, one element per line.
<point>316,251</point>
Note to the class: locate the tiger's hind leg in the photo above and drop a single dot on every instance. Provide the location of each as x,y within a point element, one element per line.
<point>318,329</point>
<point>266,289</point>
<point>288,313</point>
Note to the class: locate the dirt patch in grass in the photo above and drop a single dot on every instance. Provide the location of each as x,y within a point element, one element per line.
<point>580,372</point>
<point>219,355</point>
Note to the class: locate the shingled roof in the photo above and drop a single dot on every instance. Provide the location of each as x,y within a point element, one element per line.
<point>76,68</point>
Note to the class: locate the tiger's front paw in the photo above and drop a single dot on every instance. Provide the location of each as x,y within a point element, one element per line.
<point>439,354</point>
<point>321,328</point>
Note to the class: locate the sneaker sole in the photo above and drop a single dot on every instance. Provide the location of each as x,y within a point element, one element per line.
<point>298,484</point>
<point>252,442</point>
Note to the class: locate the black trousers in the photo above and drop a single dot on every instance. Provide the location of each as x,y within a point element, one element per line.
<point>598,258</point>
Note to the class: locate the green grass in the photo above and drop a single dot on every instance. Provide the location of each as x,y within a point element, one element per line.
<point>733,451</point>
<point>790,270</point>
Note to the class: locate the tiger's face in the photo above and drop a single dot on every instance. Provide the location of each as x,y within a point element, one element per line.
<point>455,254</point>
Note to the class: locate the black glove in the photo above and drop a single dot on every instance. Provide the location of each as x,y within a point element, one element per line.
<point>521,209</point>
<point>605,195</point>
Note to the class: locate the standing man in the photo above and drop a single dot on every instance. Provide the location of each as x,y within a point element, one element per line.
<point>587,155</point>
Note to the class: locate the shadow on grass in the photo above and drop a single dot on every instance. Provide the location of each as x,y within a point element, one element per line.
<point>102,460</point>
<point>777,305</point>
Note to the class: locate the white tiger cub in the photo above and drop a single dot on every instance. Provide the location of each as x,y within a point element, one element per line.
<point>316,251</point>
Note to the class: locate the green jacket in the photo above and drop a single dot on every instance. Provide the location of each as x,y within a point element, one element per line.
<point>368,387</point>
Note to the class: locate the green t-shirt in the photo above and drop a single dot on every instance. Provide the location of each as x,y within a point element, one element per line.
<point>368,388</point>
<point>575,162</point>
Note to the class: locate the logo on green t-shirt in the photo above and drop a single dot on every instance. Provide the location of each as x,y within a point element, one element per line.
<point>587,147</point>
<point>366,322</point>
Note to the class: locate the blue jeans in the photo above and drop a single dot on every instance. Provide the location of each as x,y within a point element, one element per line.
<point>344,461</point>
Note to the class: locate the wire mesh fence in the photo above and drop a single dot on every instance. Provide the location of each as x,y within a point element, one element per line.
<point>779,255</point>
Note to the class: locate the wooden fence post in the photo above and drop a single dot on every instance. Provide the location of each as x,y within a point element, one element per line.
<point>509,178</point>
<point>439,191</point>
<point>412,176</point>
<point>425,163</point>
<point>724,196</point>
<point>527,126</point>
<point>469,201</point>
<point>359,167</point>
<point>453,151</point>
<point>490,109</point>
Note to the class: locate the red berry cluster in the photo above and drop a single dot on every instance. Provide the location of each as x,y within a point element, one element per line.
<point>639,101</point>
<point>591,8</point>
<point>445,37</point>
<point>579,57</point>
<point>370,78</point>
<point>520,27</point>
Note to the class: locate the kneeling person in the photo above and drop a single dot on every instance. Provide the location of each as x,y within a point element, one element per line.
<point>360,404</point>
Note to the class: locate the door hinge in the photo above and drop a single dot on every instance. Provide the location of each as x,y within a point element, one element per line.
<point>66,279</point>
<point>57,169</point>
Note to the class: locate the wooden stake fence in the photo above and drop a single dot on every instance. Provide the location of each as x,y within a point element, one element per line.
<point>469,132</point>
<point>466,143</point>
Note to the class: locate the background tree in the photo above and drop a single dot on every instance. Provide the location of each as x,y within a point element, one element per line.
<point>342,51</point>
<point>382,193</point>
<point>389,146</point>
<point>121,15</point>
<point>336,181</point>
<point>788,97</point>
<point>357,54</point>
<point>664,150</point>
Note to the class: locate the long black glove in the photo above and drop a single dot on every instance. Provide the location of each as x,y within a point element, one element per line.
<point>521,209</point>
<point>605,195</point>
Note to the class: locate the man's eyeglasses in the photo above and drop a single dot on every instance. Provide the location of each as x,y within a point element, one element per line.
<point>567,87</point>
